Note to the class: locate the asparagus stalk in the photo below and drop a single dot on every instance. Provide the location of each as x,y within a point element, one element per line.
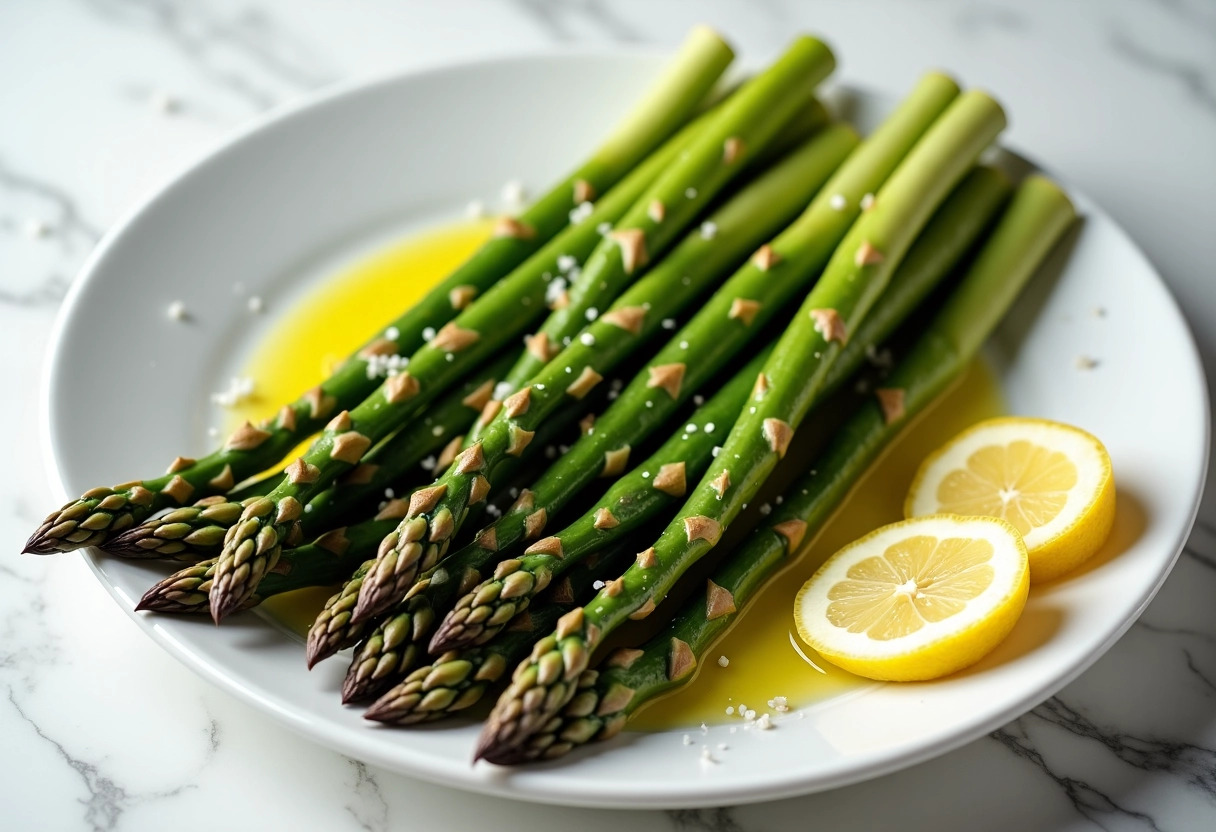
<point>477,333</point>
<point>1035,220</point>
<point>458,679</point>
<point>757,212</point>
<point>637,497</point>
<point>740,131</point>
<point>858,272</point>
<point>332,557</point>
<point>657,483</point>
<point>719,333</point>
<point>102,512</point>
<point>333,629</point>
<point>197,532</point>
<point>326,560</point>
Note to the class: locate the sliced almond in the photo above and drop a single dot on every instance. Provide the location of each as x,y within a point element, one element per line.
<point>453,338</point>
<point>585,382</point>
<point>793,531</point>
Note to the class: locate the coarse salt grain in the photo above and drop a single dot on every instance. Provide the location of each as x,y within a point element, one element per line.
<point>513,193</point>
<point>867,202</point>
<point>587,339</point>
<point>683,345</point>
<point>437,430</point>
<point>581,212</point>
<point>603,228</point>
<point>428,463</point>
<point>555,289</point>
<point>690,193</point>
<point>177,310</point>
<point>255,304</point>
<point>698,400</point>
<point>565,263</point>
<point>597,585</point>
<point>428,333</point>
<point>838,202</point>
<point>392,333</point>
<point>730,710</point>
<point>239,389</point>
<point>669,323</point>
<point>592,313</point>
<point>687,739</point>
<point>765,722</point>
<point>723,662</point>
<point>709,230</point>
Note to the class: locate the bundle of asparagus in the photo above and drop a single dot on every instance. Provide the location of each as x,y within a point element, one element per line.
<point>791,248</point>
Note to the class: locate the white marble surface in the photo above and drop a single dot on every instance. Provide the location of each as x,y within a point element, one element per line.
<point>101,100</point>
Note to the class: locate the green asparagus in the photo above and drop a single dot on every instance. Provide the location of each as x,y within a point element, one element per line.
<point>457,680</point>
<point>102,512</point>
<point>858,272</point>
<point>640,495</point>
<point>745,125</point>
<point>478,332</point>
<point>197,532</point>
<point>724,327</point>
<point>744,222</point>
<point>629,678</point>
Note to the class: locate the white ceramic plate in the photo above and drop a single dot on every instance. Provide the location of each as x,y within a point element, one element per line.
<point>283,205</point>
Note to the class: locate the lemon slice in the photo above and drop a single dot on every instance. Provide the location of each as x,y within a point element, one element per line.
<point>1052,482</point>
<point>917,599</point>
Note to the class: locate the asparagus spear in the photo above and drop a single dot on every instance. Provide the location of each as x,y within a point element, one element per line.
<point>326,560</point>
<point>458,679</point>
<point>696,264</point>
<point>102,512</point>
<point>1034,221</point>
<point>641,495</point>
<point>197,532</point>
<point>333,630</point>
<point>717,331</point>
<point>332,557</point>
<point>740,131</point>
<point>858,272</point>
<point>477,333</point>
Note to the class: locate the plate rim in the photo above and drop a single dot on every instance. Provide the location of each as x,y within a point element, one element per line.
<point>744,789</point>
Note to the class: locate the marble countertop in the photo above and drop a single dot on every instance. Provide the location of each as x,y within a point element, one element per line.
<point>102,100</point>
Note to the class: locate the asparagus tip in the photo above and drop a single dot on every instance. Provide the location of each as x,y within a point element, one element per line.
<point>446,638</point>
<point>319,646</point>
<point>223,602</point>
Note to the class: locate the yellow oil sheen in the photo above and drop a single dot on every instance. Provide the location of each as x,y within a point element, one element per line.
<point>309,339</point>
<point>326,326</point>
<point>762,649</point>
